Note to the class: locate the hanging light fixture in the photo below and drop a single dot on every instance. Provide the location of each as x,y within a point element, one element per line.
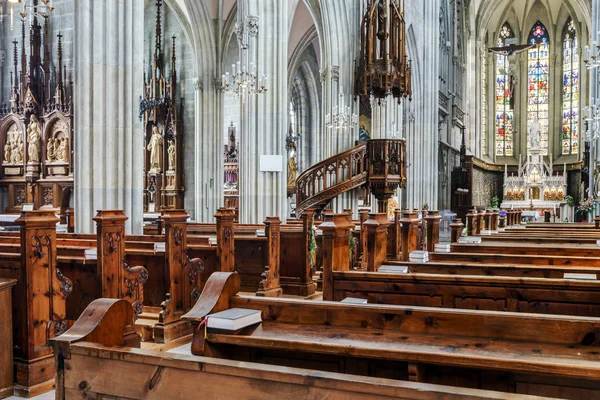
<point>341,117</point>
<point>383,68</point>
<point>244,80</point>
<point>591,55</point>
<point>27,8</point>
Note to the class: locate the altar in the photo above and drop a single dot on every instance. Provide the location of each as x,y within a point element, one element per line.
<point>536,186</point>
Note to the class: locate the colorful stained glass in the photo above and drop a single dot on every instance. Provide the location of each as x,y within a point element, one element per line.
<point>503,110</point>
<point>484,105</point>
<point>570,103</point>
<point>538,63</point>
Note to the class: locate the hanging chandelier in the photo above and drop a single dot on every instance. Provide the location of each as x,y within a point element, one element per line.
<point>383,68</point>
<point>244,80</point>
<point>341,116</point>
<point>25,8</point>
<point>591,55</point>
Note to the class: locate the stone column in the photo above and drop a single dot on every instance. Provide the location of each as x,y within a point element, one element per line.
<point>109,152</point>
<point>264,118</point>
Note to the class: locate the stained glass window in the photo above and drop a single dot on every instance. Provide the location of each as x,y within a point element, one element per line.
<point>570,103</point>
<point>537,85</point>
<point>503,110</point>
<point>484,106</point>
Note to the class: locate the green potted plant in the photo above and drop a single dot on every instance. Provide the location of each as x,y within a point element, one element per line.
<point>495,203</point>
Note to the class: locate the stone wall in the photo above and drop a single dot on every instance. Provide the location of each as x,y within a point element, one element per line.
<point>486,184</point>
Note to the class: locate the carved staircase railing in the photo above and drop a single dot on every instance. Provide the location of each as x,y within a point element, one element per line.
<point>331,177</point>
<point>379,164</point>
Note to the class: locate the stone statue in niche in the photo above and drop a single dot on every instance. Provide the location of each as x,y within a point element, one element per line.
<point>171,153</point>
<point>34,134</point>
<point>17,152</point>
<point>50,150</point>
<point>7,152</point>
<point>292,171</point>
<point>155,149</point>
<point>62,149</point>
<point>11,147</point>
<point>535,135</point>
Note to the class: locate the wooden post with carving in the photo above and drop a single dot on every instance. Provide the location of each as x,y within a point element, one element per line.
<point>519,217</point>
<point>394,238</point>
<point>495,215</point>
<point>225,239</point>
<point>269,285</point>
<point>117,279</point>
<point>471,222</point>
<point>337,232</point>
<point>502,222</point>
<point>479,226</point>
<point>486,215</point>
<point>432,220</point>
<point>39,303</point>
<point>410,232</point>
<point>456,228</point>
<point>177,303</point>
<point>376,229</point>
<point>363,216</point>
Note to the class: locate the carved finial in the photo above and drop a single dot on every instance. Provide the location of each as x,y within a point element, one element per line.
<point>158,29</point>
<point>174,58</point>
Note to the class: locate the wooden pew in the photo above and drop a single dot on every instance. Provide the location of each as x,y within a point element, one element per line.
<point>92,363</point>
<point>486,258</point>
<point>6,335</point>
<point>467,348</point>
<point>495,293</point>
<point>550,249</point>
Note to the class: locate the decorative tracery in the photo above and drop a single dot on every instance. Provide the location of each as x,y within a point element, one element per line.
<point>570,93</point>
<point>504,114</point>
<point>537,82</point>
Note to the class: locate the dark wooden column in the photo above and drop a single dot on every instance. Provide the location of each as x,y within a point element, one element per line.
<point>410,232</point>
<point>178,301</point>
<point>395,237</point>
<point>337,232</point>
<point>39,303</point>
<point>495,215</point>
<point>486,215</point>
<point>479,226</point>
<point>363,215</point>
<point>432,220</point>
<point>502,221</point>
<point>471,223</point>
<point>117,279</point>
<point>519,216</point>
<point>376,229</point>
<point>269,285</point>
<point>456,228</point>
<point>225,239</point>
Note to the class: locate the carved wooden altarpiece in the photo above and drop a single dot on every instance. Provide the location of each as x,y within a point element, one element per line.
<point>163,133</point>
<point>36,136</point>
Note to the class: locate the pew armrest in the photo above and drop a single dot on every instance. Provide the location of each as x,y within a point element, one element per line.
<point>220,286</point>
<point>104,321</point>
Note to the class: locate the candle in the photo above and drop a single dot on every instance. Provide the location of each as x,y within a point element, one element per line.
<point>587,53</point>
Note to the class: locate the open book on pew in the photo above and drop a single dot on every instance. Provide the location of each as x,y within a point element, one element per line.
<point>442,247</point>
<point>579,276</point>
<point>159,247</point>
<point>212,240</point>
<point>260,233</point>
<point>233,320</point>
<point>354,300</point>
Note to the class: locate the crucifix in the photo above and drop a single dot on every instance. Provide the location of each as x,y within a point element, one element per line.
<point>511,50</point>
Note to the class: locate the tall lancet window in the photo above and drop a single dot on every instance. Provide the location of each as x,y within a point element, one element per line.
<point>503,99</point>
<point>570,104</point>
<point>537,82</point>
<point>484,101</point>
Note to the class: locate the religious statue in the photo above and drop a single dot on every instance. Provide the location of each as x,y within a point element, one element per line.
<point>171,154</point>
<point>535,135</point>
<point>50,150</point>
<point>381,20</point>
<point>62,150</point>
<point>292,171</point>
<point>17,151</point>
<point>155,149</point>
<point>363,134</point>
<point>7,151</point>
<point>597,183</point>
<point>34,134</point>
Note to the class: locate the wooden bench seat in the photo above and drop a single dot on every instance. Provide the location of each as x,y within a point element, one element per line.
<point>554,249</point>
<point>512,352</point>
<point>91,363</point>
<point>501,258</point>
<point>496,293</point>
